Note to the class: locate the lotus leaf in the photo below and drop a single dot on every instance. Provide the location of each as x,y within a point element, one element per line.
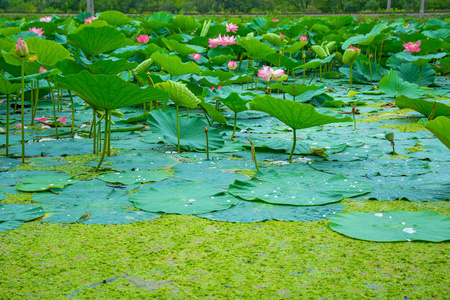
<point>440,127</point>
<point>392,84</point>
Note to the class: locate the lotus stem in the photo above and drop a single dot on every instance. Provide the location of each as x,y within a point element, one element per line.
<point>293,145</point>
<point>54,108</point>
<point>207,143</point>
<point>73,112</point>
<point>108,132</point>
<point>36,98</point>
<point>370,63</point>
<point>354,121</point>
<point>420,75</point>
<point>320,73</point>
<point>252,147</point>
<point>32,103</point>
<point>92,132</point>
<point>105,141</point>
<point>178,129</point>
<point>7,125</point>
<point>22,108</point>
<point>234,128</point>
<point>351,73</point>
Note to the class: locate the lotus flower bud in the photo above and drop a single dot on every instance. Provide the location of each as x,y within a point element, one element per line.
<point>389,136</point>
<point>21,48</point>
<point>232,65</point>
<point>353,105</point>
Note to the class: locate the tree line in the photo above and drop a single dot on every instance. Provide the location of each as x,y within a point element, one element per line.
<point>222,6</point>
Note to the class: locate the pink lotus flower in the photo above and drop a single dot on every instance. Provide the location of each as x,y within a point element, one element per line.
<point>412,47</point>
<point>196,56</point>
<point>19,126</point>
<point>142,39</point>
<point>409,24</point>
<point>21,48</point>
<point>275,20</point>
<point>282,36</point>
<point>38,31</point>
<point>303,38</point>
<point>42,69</point>
<point>223,41</point>
<point>232,27</point>
<point>46,19</point>
<point>218,88</point>
<point>354,48</point>
<point>62,120</point>
<point>90,19</point>
<point>42,120</point>
<point>232,65</point>
<point>213,43</point>
<point>267,73</point>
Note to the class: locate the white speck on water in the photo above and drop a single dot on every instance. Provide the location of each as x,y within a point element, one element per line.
<point>378,215</point>
<point>403,223</point>
<point>293,197</point>
<point>193,200</point>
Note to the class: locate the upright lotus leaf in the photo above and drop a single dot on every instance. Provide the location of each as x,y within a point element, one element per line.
<point>365,39</point>
<point>441,128</point>
<point>320,51</point>
<point>173,65</point>
<point>280,61</point>
<point>184,24</point>
<point>409,72</point>
<point>341,21</point>
<point>182,49</point>
<point>441,33</point>
<point>179,93</point>
<point>191,131</point>
<point>222,75</point>
<point>274,39</point>
<point>256,49</point>
<point>421,60</point>
<point>111,66</point>
<point>393,85</point>
<point>108,92</point>
<point>315,63</point>
<point>393,226</point>
<point>47,27</point>
<point>93,40</point>
<point>294,188</point>
<point>69,66</point>
<point>293,114</point>
<point>423,106</point>
<point>114,18</point>
<point>8,88</point>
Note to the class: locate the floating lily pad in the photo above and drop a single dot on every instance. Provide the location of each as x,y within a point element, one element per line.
<point>134,177</point>
<point>428,187</point>
<point>133,161</point>
<point>393,226</point>
<point>374,167</point>
<point>45,182</point>
<point>13,215</point>
<point>90,202</point>
<point>7,163</point>
<point>183,198</point>
<point>295,188</point>
<point>256,211</point>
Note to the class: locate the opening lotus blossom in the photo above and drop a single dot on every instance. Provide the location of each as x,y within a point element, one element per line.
<point>275,20</point>
<point>354,48</point>
<point>90,19</point>
<point>232,65</point>
<point>267,73</point>
<point>232,27</point>
<point>412,47</point>
<point>222,41</point>
<point>303,38</point>
<point>46,19</point>
<point>196,56</point>
<point>42,70</point>
<point>38,31</point>
<point>142,39</point>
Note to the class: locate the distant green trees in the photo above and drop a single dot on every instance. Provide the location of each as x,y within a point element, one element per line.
<point>221,6</point>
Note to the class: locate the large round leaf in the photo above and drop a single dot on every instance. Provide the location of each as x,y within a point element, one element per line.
<point>48,52</point>
<point>393,226</point>
<point>393,85</point>
<point>134,177</point>
<point>90,202</point>
<point>173,65</point>
<point>108,92</point>
<point>295,115</point>
<point>114,18</point>
<point>441,128</point>
<point>295,188</point>
<point>255,211</point>
<point>256,49</point>
<point>184,199</point>
<point>179,93</point>
<point>192,131</point>
<point>94,40</point>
